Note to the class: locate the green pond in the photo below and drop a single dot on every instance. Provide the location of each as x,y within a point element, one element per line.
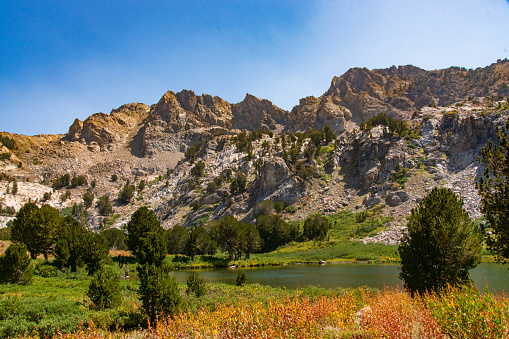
<point>495,276</point>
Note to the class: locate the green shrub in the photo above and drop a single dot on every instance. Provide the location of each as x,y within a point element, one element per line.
<point>45,269</point>
<point>291,209</point>
<point>104,289</point>
<point>279,206</point>
<point>199,169</point>
<point>399,176</point>
<point>20,317</point>
<point>263,208</point>
<point>196,285</point>
<point>241,279</point>
<point>8,142</point>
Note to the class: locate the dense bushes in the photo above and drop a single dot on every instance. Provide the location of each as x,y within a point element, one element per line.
<point>235,237</point>
<point>66,181</point>
<point>46,316</point>
<point>397,126</point>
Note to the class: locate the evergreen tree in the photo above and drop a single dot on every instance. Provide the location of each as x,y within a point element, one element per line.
<point>50,221</point>
<point>95,251</point>
<point>88,198</point>
<point>71,247</point>
<point>441,245</point>
<point>274,232</point>
<point>199,169</point>
<point>251,241</point>
<point>316,227</point>
<point>176,239</point>
<point>36,228</point>
<point>227,234</point>
<point>238,183</point>
<point>126,194</point>
<point>104,289</point>
<point>152,249</point>
<point>199,243</point>
<point>15,265</point>
<point>24,228</point>
<point>104,205</point>
<point>14,189</point>
<point>158,292</point>
<point>115,238</point>
<point>196,285</point>
<point>142,222</point>
<point>329,134</point>
<point>494,191</point>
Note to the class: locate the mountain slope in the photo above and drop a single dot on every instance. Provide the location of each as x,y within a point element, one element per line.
<point>139,142</point>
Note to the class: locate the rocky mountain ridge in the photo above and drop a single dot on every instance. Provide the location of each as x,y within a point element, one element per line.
<point>452,113</point>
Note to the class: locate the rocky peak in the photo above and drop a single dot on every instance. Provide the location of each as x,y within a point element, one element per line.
<point>131,109</point>
<point>185,111</point>
<point>103,131</point>
<point>256,113</point>
<point>403,71</point>
<point>317,112</point>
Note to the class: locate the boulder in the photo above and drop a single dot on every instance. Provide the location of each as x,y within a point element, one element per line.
<point>272,174</point>
<point>211,199</point>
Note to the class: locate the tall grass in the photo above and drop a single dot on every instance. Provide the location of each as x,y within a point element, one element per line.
<point>317,313</point>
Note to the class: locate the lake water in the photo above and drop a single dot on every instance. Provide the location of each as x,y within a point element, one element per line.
<point>496,276</point>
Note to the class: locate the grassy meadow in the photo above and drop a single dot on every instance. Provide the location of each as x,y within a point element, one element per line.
<point>57,306</point>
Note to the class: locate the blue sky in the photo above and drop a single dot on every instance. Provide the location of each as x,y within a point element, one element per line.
<point>62,60</point>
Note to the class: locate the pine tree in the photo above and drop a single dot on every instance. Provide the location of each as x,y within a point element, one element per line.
<point>142,222</point>
<point>104,289</point>
<point>36,228</point>
<point>15,265</point>
<point>442,244</point>
<point>196,285</point>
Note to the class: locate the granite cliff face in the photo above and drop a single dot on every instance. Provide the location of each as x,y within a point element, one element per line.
<point>452,113</point>
<point>181,119</point>
<point>105,132</point>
